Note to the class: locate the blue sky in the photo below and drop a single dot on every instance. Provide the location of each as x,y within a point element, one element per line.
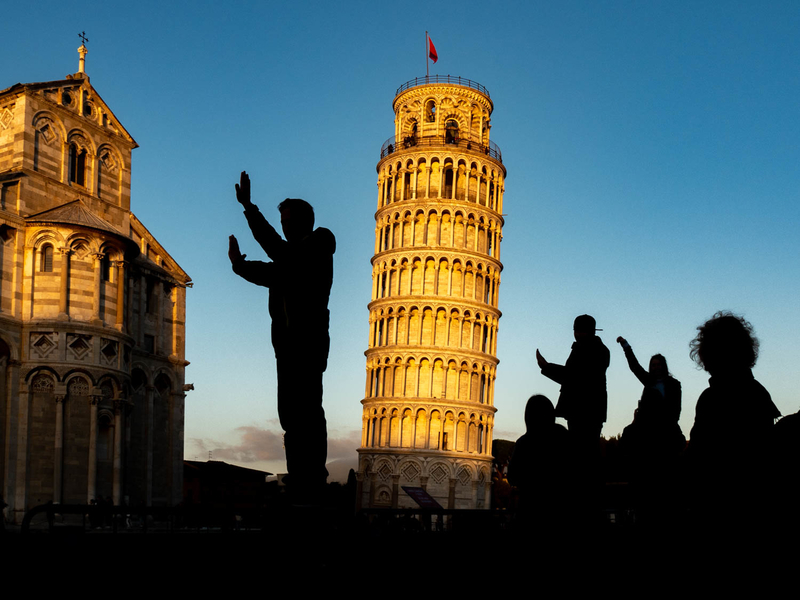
<point>653,175</point>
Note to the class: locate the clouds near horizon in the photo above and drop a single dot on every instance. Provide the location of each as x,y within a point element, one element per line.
<point>260,444</point>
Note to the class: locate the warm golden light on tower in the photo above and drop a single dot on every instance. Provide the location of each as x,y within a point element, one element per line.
<point>431,362</point>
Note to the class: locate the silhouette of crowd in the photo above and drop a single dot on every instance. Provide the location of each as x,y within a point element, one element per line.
<point>736,475</point>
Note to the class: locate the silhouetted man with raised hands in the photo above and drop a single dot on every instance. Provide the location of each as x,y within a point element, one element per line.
<point>583,400</point>
<point>583,403</point>
<point>299,279</point>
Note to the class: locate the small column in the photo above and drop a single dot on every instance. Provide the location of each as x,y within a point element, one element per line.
<point>148,477</point>
<point>15,395</point>
<point>142,309</point>
<point>178,320</point>
<point>364,429</point>
<point>379,383</point>
<point>65,161</point>
<point>427,176</point>
<point>28,281</point>
<point>159,317</point>
<point>118,408</point>
<point>120,321</point>
<point>395,490</point>
<point>93,174</point>
<point>98,282</point>
<point>451,495</point>
<point>91,488</point>
<point>58,459</point>
<point>177,401</point>
<point>64,292</point>
<point>498,239</point>
<point>23,416</point>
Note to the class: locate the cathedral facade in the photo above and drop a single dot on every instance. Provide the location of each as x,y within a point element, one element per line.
<point>92,311</point>
<point>428,409</point>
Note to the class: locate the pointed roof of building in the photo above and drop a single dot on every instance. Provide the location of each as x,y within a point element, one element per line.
<point>50,90</point>
<point>74,213</point>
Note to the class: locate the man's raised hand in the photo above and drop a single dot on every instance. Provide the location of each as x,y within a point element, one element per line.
<point>243,190</point>
<point>233,250</point>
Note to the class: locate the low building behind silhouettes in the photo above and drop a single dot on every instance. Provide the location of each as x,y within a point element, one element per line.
<point>217,485</point>
<point>92,311</point>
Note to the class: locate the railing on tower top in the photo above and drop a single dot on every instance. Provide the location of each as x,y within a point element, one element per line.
<point>390,146</point>
<point>443,79</point>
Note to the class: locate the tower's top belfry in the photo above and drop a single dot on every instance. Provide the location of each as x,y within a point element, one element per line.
<point>436,110</point>
<point>432,354</point>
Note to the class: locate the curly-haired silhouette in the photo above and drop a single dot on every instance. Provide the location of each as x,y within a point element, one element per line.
<point>730,442</point>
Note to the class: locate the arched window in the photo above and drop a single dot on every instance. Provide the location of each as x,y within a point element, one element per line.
<point>451,132</point>
<point>46,260</point>
<point>430,111</point>
<point>105,267</point>
<point>163,386</point>
<point>77,164</point>
<point>448,183</point>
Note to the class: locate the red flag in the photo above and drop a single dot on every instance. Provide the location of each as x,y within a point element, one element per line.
<point>432,51</point>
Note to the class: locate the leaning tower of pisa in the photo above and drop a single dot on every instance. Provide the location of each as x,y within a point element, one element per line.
<point>428,409</point>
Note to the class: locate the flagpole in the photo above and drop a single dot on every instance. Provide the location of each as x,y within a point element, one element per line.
<point>426,55</point>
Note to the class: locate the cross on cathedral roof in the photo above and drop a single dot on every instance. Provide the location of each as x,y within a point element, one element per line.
<point>82,52</point>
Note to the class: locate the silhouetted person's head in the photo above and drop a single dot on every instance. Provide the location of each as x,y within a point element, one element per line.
<point>297,218</point>
<point>725,344</point>
<point>584,327</point>
<point>539,412</point>
<point>658,366</point>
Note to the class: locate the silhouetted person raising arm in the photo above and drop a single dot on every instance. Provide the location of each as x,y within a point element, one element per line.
<point>657,379</point>
<point>299,279</point>
<point>652,445</point>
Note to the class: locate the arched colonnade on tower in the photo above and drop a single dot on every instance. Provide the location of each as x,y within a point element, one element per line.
<point>436,275</point>
<point>429,428</point>
<point>457,228</point>
<point>442,177</point>
<point>438,377</point>
<point>433,326</point>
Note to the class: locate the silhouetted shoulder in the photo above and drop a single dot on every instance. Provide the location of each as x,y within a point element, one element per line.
<point>324,240</point>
